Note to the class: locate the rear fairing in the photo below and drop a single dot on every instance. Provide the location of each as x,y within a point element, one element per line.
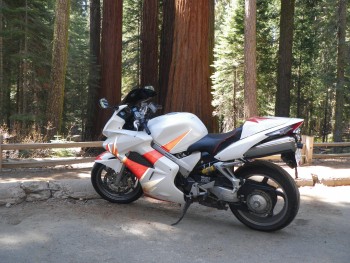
<point>254,131</point>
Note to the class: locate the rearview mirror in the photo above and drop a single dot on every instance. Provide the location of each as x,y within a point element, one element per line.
<point>104,103</point>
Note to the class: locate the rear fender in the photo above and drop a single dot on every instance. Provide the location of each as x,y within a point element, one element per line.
<point>109,160</point>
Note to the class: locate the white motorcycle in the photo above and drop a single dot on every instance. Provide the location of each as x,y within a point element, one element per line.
<point>172,157</point>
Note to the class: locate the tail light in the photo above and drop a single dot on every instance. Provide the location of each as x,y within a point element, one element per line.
<point>289,130</point>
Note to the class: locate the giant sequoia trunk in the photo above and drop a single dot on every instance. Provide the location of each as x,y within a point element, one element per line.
<point>250,96</point>
<point>111,58</point>
<point>187,86</point>
<point>341,64</point>
<point>284,70</point>
<point>149,44</point>
<point>59,64</point>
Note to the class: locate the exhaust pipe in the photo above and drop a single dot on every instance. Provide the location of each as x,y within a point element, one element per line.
<point>282,145</point>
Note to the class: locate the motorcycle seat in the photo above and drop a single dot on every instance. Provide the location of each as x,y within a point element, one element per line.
<point>213,143</point>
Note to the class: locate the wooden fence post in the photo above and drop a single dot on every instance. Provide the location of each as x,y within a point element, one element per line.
<point>309,148</point>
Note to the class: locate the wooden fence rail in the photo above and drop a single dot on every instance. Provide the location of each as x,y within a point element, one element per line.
<point>307,153</point>
<point>41,162</point>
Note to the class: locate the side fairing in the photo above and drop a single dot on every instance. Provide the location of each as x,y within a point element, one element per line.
<point>175,132</point>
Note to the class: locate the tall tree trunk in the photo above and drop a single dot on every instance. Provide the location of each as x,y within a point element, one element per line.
<point>188,83</point>
<point>341,64</point>
<point>2,87</point>
<point>166,46</point>
<point>111,57</point>
<point>149,44</point>
<point>284,68</point>
<point>90,132</point>
<point>250,93</point>
<point>59,65</point>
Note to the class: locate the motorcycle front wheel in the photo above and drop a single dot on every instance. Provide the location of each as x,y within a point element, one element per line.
<point>122,188</point>
<point>269,197</point>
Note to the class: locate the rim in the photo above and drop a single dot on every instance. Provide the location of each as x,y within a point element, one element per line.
<point>117,184</point>
<point>265,208</point>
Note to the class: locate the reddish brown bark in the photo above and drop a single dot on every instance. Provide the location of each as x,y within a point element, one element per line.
<point>188,83</point>
<point>90,132</point>
<point>149,44</point>
<point>111,54</point>
<point>166,47</point>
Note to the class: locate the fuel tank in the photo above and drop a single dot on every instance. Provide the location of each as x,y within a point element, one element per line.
<point>175,132</point>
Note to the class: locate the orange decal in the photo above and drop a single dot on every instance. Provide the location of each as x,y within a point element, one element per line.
<point>115,150</point>
<point>137,169</point>
<point>153,156</point>
<point>174,142</point>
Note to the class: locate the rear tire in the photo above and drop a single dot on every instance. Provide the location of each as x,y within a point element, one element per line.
<point>104,180</point>
<point>274,202</point>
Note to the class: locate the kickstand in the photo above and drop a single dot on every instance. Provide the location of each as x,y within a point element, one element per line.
<point>187,205</point>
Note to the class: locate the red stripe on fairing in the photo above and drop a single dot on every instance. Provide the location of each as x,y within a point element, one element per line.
<point>137,169</point>
<point>153,156</point>
<point>99,157</point>
<point>257,119</point>
<point>107,148</point>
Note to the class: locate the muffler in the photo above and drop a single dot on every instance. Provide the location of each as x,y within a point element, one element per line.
<point>277,146</point>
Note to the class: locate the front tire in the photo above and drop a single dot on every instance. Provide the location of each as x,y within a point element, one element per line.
<point>269,198</point>
<point>122,188</point>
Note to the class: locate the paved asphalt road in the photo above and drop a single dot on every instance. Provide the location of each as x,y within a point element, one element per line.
<point>97,231</point>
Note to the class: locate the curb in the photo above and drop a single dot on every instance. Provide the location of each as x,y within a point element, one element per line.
<point>31,191</point>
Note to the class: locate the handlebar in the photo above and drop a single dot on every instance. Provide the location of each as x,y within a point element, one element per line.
<point>144,124</point>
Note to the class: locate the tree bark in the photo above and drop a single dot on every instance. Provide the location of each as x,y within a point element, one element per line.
<point>2,87</point>
<point>59,63</point>
<point>166,47</point>
<point>284,68</point>
<point>188,81</point>
<point>341,64</point>
<point>250,93</point>
<point>111,58</point>
<point>149,44</point>
<point>90,132</point>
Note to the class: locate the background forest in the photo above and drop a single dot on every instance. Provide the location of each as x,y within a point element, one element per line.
<point>29,30</point>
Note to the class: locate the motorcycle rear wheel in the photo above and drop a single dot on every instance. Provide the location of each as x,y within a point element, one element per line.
<point>274,202</point>
<point>113,187</point>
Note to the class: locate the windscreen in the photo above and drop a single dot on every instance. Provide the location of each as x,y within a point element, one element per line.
<point>137,95</point>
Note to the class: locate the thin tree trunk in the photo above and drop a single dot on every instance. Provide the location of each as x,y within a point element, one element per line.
<point>250,96</point>
<point>149,44</point>
<point>111,58</point>
<point>59,65</point>
<point>25,65</point>
<point>284,69</point>
<point>341,64</point>
<point>94,72</point>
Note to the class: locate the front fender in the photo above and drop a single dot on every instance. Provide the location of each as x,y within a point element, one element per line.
<point>109,160</point>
